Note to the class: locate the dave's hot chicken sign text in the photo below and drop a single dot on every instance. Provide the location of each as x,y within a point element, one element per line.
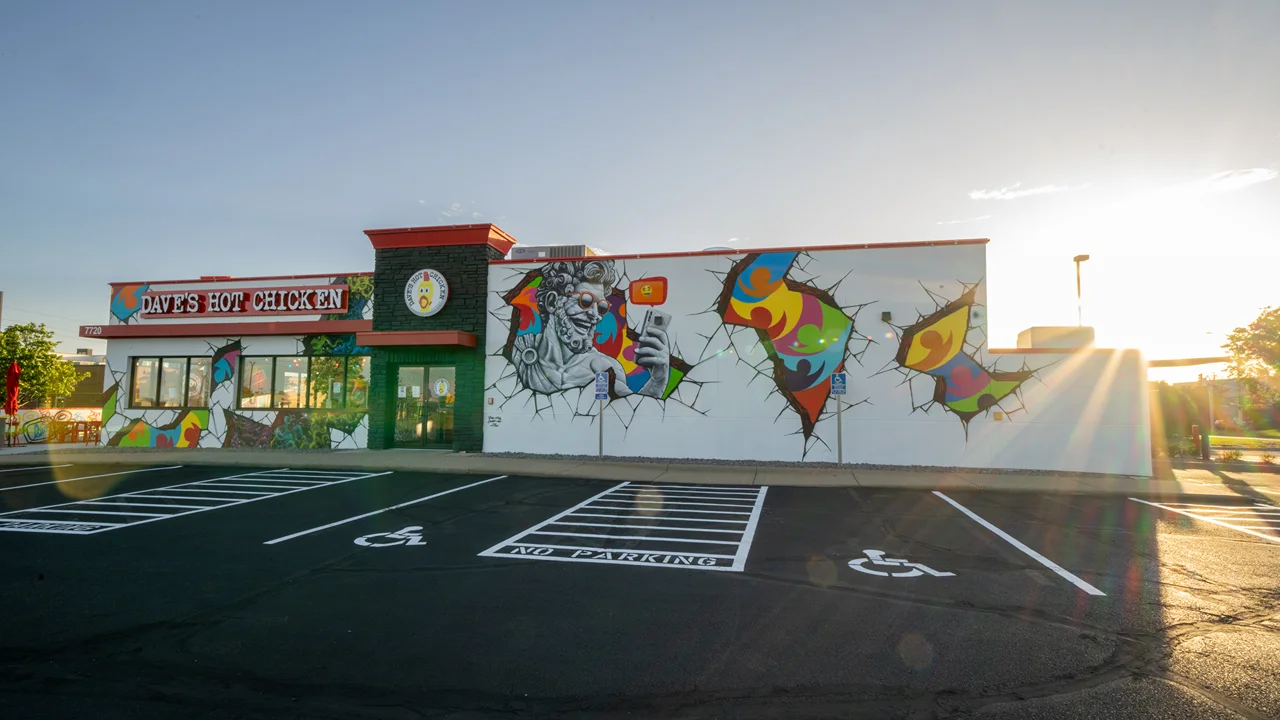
<point>311,300</point>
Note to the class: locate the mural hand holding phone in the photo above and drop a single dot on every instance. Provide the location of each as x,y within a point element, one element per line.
<point>653,351</point>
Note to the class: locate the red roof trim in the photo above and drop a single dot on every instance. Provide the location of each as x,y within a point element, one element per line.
<point>416,337</point>
<point>294,327</point>
<point>747,251</point>
<point>442,236</point>
<point>229,278</point>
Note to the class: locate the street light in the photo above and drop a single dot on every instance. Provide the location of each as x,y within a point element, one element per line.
<point>1079,308</point>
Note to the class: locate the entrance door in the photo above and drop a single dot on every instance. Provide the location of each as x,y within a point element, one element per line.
<point>424,406</point>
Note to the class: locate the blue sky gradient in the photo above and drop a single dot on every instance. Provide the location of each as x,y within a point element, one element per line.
<point>159,140</point>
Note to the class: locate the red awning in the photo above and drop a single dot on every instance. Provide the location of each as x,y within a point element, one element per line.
<point>416,337</point>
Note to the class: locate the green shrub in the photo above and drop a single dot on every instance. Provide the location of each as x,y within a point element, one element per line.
<point>1230,456</point>
<point>1268,458</point>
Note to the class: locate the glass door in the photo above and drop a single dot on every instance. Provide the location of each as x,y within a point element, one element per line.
<point>408,395</point>
<point>438,409</point>
<point>424,406</point>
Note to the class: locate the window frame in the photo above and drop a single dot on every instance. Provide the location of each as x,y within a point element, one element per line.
<point>306,391</point>
<point>155,398</point>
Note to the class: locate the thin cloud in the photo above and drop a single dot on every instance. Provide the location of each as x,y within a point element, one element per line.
<point>1236,179</point>
<point>1013,192</point>
<point>454,209</point>
<point>969,220</point>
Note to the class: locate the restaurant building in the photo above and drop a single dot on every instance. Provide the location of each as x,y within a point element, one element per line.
<point>724,354</point>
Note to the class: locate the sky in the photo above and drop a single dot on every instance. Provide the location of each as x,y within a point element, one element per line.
<point>144,141</point>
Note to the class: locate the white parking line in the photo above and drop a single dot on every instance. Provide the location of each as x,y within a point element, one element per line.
<point>30,520</point>
<point>89,477</point>
<point>1065,574</point>
<point>1190,511</point>
<point>647,539</point>
<point>376,512</point>
<point>37,467</point>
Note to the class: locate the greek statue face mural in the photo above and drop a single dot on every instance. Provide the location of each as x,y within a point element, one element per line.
<point>572,299</point>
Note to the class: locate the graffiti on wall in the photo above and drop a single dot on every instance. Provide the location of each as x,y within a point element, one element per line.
<point>569,320</point>
<point>183,432</point>
<point>126,301</point>
<point>36,425</point>
<point>938,346</point>
<point>222,424</point>
<point>331,345</point>
<point>359,298</point>
<point>799,334</point>
<point>292,429</point>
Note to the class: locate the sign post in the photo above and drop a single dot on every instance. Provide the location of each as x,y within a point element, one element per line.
<point>602,394</point>
<point>838,388</point>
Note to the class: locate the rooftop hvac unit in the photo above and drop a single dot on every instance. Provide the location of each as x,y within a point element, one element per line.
<point>549,252</point>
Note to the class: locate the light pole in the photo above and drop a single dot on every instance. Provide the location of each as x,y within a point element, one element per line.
<point>1079,308</point>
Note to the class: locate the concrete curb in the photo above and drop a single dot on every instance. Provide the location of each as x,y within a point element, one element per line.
<point>618,471</point>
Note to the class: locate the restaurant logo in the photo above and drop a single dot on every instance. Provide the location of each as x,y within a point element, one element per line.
<point>441,388</point>
<point>231,302</point>
<point>426,292</point>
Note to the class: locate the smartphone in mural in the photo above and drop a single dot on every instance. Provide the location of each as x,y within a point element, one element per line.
<point>656,318</point>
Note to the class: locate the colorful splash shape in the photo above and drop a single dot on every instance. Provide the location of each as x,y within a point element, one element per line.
<point>224,362</point>
<point>181,433</point>
<point>934,346</point>
<point>612,337</point>
<point>126,301</point>
<point>802,328</point>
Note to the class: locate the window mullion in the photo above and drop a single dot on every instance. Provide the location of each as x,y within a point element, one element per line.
<point>346,368</point>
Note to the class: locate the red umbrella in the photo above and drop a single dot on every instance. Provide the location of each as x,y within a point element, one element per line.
<point>11,389</point>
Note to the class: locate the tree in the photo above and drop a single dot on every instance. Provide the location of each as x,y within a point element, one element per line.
<point>1255,362</point>
<point>44,373</point>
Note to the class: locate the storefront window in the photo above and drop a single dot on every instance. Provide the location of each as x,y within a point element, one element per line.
<point>358,369</point>
<point>145,375</point>
<point>291,382</point>
<point>326,381</point>
<point>170,382</point>
<point>198,376</point>
<point>255,383</point>
<point>320,383</point>
<point>173,373</point>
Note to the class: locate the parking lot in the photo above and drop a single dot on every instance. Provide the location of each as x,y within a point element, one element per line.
<point>274,592</point>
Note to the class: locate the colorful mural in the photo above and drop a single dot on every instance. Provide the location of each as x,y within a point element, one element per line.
<point>569,321</point>
<point>803,330</point>
<point>183,432</point>
<point>936,345</point>
<point>359,298</point>
<point>126,301</point>
<point>332,345</point>
<point>293,429</point>
<point>225,361</point>
<point>34,425</point>
<point>221,425</point>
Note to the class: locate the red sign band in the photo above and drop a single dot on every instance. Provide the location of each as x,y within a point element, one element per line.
<point>306,300</point>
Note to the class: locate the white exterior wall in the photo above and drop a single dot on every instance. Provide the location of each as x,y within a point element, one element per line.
<point>1078,411</point>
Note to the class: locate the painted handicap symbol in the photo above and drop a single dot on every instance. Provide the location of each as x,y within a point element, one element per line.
<point>877,558</point>
<point>411,535</point>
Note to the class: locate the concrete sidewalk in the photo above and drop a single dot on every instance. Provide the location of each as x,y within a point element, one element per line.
<point>1169,481</point>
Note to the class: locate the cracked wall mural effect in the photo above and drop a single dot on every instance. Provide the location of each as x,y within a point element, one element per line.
<point>221,424</point>
<point>938,346</point>
<point>126,301</point>
<point>802,329</point>
<point>568,320</point>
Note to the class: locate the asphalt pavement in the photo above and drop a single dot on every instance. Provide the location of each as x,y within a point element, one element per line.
<point>241,592</point>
